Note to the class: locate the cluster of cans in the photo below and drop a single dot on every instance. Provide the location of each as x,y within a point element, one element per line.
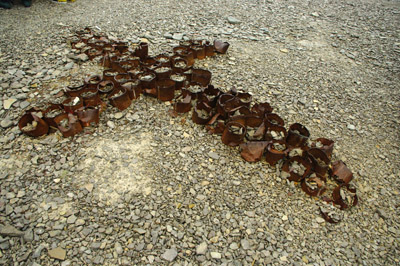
<point>261,135</point>
<point>129,71</point>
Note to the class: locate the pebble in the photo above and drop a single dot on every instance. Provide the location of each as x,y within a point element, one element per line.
<point>233,246</point>
<point>245,244</point>
<point>28,235</point>
<point>351,127</point>
<point>82,57</point>
<point>8,103</point>
<point>57,253</point>
<point>213,155</point>
<point>201,249</point>
<point>38,250</point>
<point>233,20</point>
<point>177,36</point>
<point>111,124</point>
<point>216,255</point>
<point>79,222</point>
<point>139,231</point>
<point>89,187</point>
<point>118,248</point>
<point>71,219</point>
<point>118,115</point>
<point>170,254</point>
<point>66,263</point>
<point>6,122</point>
<point>69,66</point>
<point>24,104</point>
<point>98,260</point>
<point>168,35</point>
<point>21,96</point>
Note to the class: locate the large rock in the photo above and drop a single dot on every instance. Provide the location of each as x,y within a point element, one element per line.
<point>58,253</point>
<point>9,230</point>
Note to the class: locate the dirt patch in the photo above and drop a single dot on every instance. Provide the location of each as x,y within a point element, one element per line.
<point>117,167</point>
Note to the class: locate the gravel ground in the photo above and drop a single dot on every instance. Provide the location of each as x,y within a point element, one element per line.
<point>146,188</point>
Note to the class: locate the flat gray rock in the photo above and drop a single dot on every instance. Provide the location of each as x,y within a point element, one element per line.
<point>170,254</point>
<point>201,249</point>
<point>177,36</point>
<point>351,127</point>
<point>24,104</point>
<point>233,20</point>
<point>9,230</point>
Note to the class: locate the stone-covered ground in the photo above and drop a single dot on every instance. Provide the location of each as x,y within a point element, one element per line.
<point>144,188</point>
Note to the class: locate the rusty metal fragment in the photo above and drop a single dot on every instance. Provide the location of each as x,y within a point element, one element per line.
<point>261,109</point>
<point>148,83</point>
<point>75,91</point>
<point>120,98</point>
<point>202,113</point>
<point>105,87</point>
<point>314,185</point>
<point>88,115</point>
<point>221,47</point>
<point>325,145</point>
<point>275,132</point>
<point>297,168</point>
<point>253,151</point>
<point>73,103</point>
<point>330,213</point>
<point>201,76</point>
<point>319,160</point>
<point>233,134</point>
<point>274,120</point>
<point>276,150</point>
<point>183,103</point>
<point>32,125</point>
<point>52,112</point>
<point>297,135</point>
<point>345,196</point>
<point>165,89</point>
<point>68,124</point>
<point>91,97</point>
<point>341,173</point>
<point>133,87</point>
<point>95,79</point>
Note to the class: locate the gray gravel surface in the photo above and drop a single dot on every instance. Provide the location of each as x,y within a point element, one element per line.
<point>145,188</point>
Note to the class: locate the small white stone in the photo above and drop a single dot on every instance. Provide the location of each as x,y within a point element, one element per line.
<point>8,103</point>
<point>351,127</point>
<point>111,124</point>
<point>118,115</point>
<point>216,255</point>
